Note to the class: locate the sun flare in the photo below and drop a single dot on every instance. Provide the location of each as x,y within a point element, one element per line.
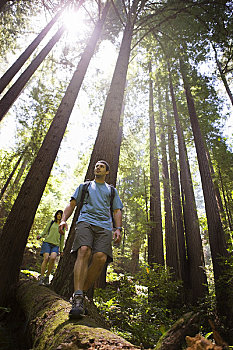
<point>74,21</point>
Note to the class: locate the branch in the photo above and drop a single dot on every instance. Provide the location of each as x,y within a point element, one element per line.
<point>153,28</point>
<point>117,12</point>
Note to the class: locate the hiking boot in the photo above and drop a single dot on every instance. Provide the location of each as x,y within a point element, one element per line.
<point>77,310</point>
<point>41,280</point>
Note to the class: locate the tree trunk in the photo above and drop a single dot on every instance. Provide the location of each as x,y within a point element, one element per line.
<point>225,200</point>
<point>135,251</point>
<point>11,72</point>
<point>145,194</point>
<point>174,338</point>
<point>224,216</point>
<point>170,237</point>
<point>229,200</point>
<point>216,189</point>
<point>106,143</point>
<point>222,75</point>
<point>136,241</point>
<point>2,3</point>
<point>48,325</point>
<point>20,173</point>
<point>176,201</point>
<point>119,140</point>
<point>9,98</point>
<point>106,147</point>
<point>10,177</point>
<point>155,235</point>
<point>217,239</point>
<point>197,275</point>
<point>22,214</point>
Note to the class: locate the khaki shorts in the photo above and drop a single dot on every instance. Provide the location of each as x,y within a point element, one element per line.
<point>97,238</point>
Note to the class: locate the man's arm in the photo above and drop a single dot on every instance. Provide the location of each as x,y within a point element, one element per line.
<point>117,214</point>
<point>66,214</point>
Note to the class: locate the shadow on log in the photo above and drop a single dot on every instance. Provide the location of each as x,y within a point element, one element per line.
<point>174,338</point>
<point>200,343</point>
<point>49,327</point>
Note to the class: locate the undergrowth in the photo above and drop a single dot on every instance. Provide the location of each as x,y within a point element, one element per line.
<point>142,307</point>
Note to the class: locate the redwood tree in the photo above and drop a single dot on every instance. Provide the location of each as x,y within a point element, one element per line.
<point>176,200</point>
<point>216,233</point>
<point>9,98</point>
<point>170,237</point>
<point>11,72</point>
<point>10,176</point>
<point>23,211</point>
<point>106,144</point>
<point>155,235</point>
<point>197,277</point>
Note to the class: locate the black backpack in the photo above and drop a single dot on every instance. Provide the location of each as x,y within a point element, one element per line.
<point>85,190</point>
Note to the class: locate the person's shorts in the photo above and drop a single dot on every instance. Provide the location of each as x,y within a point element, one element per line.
<point>49,248</point>
<point>97,238</point>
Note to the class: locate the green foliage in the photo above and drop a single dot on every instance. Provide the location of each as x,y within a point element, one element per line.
<point>33,121</point>
<point>30,274</point>
<point>141,307</point>
<point>14,21</point>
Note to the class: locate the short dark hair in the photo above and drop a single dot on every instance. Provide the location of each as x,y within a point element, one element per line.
<point>106,164</point>
<point>57,212</point>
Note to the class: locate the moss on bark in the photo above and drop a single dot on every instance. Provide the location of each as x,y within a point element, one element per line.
<point>49,327</point>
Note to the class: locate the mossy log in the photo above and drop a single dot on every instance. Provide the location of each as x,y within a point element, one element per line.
<point>174,338</point>
<point>49,327</point>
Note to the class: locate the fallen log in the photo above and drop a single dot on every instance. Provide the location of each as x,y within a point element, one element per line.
<point>49,327</point>
<point>174,338</point>
<point>200,343</point>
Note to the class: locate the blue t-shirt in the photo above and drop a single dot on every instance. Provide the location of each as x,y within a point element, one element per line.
<point>96,204</point>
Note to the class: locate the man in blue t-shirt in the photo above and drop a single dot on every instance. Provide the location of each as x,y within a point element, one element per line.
<point>93,237</point>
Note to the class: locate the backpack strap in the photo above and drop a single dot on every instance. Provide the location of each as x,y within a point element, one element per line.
<point>51,225</point>
<point>112,188</point>
<point>84,191</point>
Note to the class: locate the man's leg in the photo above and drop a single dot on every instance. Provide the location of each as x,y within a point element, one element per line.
<point>80,274</point>
<point>94,270</point>
<point>81,267</point>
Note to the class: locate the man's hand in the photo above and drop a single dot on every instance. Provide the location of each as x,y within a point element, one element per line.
<point>117,236</point>
<point>38,237</point>
<point>63,227</point>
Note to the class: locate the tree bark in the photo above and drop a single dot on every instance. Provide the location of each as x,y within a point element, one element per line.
<point>49,327</point>
<point>197,276</point>
<point>222,75</point>
<point>23,211</point>
<point>10,73</point>
<point>155,235</point>
<point>170,237</point>
<point>9,98</point>
<point>106,147</point>
<point>176,200</point>
<point>2,4</point>
<point>217,239</point>
<point>225,200</point>
<point>10,177</point>
<point>106,143</point>
<point>174,338</point>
